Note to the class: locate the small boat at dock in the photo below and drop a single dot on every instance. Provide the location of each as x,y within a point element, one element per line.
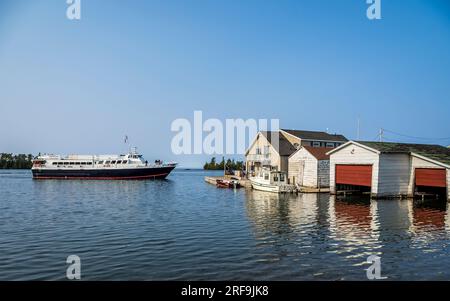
<point>222,183</point>
<point>271,181</point>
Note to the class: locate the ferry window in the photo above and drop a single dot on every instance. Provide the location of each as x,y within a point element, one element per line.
<point>113,162</point>
<point>89,163</point>
<point>107,162</point>
<point>124,162</point>
<point>66,163</point>
<point>100,162</point>
<point>330,144</point>
<point>119,162</point>
<point>83,163</point>
<point>54,163</point>
<point>72,163</point>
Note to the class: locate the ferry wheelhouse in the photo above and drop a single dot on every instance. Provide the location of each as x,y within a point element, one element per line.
<point>101,167</point>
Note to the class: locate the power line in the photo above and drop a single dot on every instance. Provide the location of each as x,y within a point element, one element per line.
<point>413,137</point>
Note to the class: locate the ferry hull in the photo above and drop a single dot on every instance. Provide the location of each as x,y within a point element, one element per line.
<point>104,174</point>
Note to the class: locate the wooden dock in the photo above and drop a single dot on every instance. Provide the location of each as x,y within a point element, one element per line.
<point>312,190</point>
<point>213,180</point>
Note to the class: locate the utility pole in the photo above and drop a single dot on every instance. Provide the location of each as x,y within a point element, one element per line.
<point>380,135</point>
<point>358,129</point>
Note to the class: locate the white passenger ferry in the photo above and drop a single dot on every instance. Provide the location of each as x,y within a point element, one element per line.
<point>102,167</point>
<point>271,181</point>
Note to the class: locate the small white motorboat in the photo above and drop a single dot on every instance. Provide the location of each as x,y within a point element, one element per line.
<point>271,181</point>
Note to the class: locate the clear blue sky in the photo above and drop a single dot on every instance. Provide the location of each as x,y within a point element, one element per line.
<point>132,67</point>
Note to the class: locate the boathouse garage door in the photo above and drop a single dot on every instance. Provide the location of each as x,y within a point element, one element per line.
<point>358,175</point>
<point>431,177</point>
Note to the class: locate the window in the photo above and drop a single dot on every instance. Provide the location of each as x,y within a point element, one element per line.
<point>258,151</point>
<point>316,144</point>
<point>113,162</point>
<point>124,162</point>
<point>100,162</point>
<point>72,163</point>
<point>330,145</point>
<point>89,163</point>
<point>107,162</point>
<point>119,162</point>
<point>275,178</point>
<point>66,163</point>
<point>266,176</point>
<point>282,177</point>
<point>54,163</point>
<point>83,163</point>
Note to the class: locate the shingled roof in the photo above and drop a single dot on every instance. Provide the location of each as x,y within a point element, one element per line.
<point>437,153</point>
<point>313,135</point>
<point>320,153</point>
<point>285,148</point>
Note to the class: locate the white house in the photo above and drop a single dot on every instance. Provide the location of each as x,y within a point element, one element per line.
<point>390,169</point>
<point>263,152</point>
<point>309,167</point>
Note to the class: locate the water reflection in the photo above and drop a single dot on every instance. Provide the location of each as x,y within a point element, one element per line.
<point>184,229</point>
<point>346,231</point>
<point>428,216</point>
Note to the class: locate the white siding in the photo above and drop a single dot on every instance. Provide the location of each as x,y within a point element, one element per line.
<point>309,171</point>
<point>448,184</point>
<point>324,173</point>
<point>394,174</point>
<point>354,154</point>
<point>261,143</point>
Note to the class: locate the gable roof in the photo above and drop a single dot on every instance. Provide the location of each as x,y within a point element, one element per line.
<point>436,153</point>
<point>320,153</point>
<point>285,148</point>
<point>313,135</point>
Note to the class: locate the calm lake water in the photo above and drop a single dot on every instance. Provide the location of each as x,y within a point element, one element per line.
<point>185,229</point>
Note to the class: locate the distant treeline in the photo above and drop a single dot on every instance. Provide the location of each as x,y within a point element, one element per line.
<point>231,164</point>
<point>20,161</point>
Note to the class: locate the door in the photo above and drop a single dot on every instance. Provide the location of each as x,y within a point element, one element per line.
<point>358,175</point>
<point>431,177</point>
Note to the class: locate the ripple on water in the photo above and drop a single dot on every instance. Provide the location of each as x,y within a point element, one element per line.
<point>184,229</point>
